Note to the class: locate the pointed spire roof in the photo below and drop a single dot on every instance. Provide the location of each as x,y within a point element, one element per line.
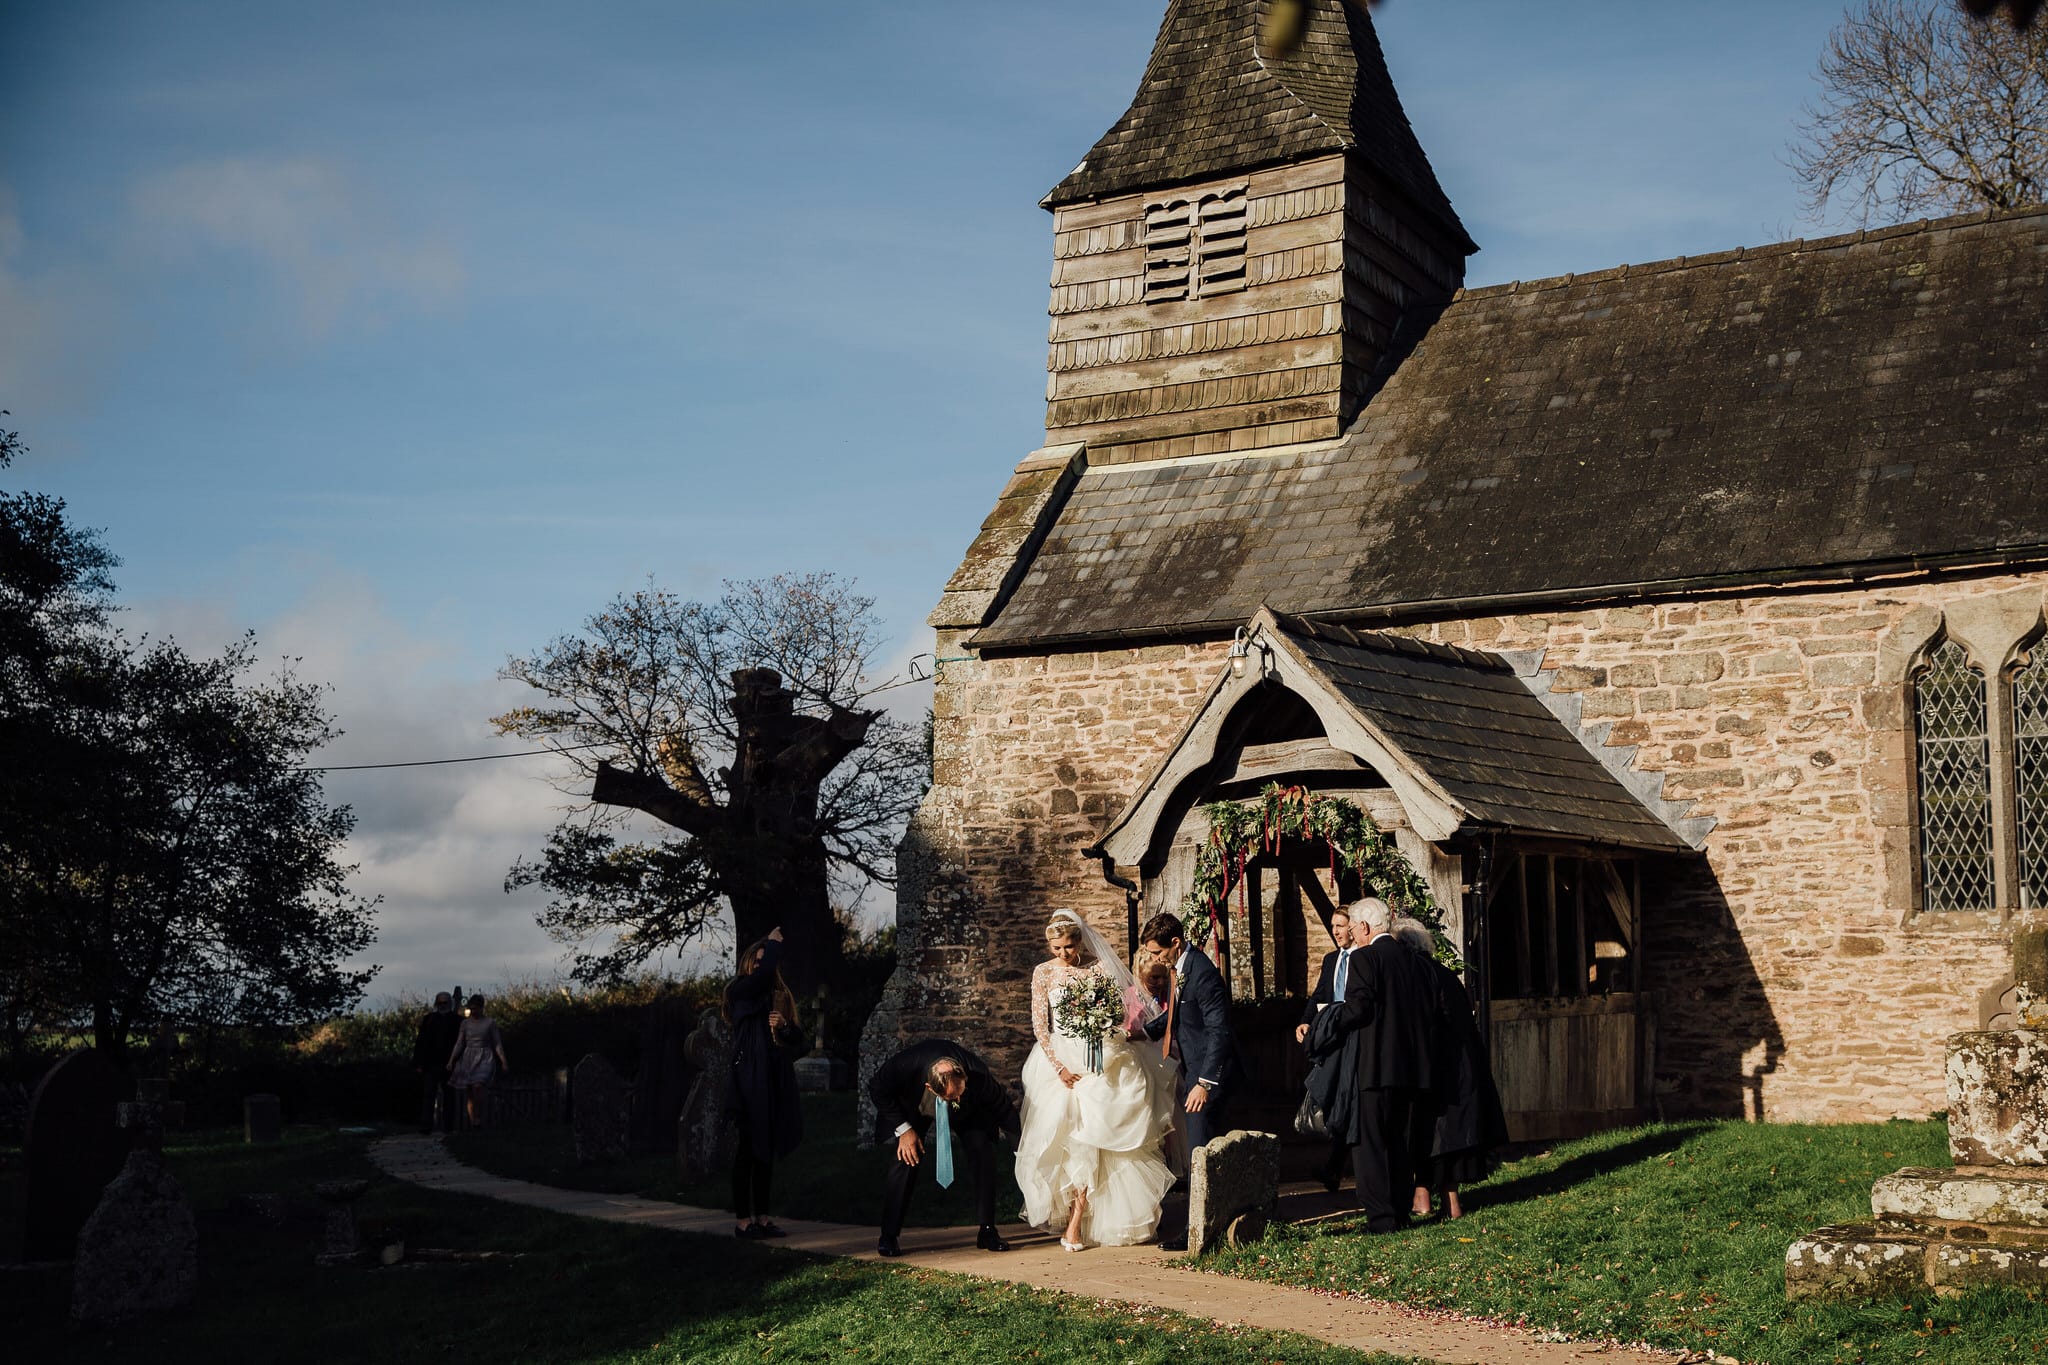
<point>1211,104</point>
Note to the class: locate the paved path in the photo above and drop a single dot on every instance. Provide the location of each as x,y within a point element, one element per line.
<point>1138,1275</point>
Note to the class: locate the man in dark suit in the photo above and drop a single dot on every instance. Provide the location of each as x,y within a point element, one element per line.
<point>1391,998</point>
<point>432,1046</point>
<point>1330,987</point>
<point>908,1090</point>
<point>1196,1029</point>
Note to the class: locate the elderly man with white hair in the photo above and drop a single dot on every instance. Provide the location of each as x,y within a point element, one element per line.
<point>1391,1000</point>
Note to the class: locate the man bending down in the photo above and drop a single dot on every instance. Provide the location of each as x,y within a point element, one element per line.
<point>926,1084</point>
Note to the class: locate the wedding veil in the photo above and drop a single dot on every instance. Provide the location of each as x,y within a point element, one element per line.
<point>1110,962</point>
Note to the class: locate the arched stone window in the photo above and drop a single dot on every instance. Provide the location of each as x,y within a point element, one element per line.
<point>2030,775</point>
<point>1952,754</point>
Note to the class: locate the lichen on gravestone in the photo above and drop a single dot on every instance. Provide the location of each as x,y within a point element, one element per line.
<point>139,1252</point>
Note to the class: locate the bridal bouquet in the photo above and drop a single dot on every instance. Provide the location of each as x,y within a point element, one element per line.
<point>1090,1007</point>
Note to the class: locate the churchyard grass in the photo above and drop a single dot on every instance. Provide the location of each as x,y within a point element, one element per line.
<point>1673,1234</point>
<point>828,1178</point>
<point>582,1291</point>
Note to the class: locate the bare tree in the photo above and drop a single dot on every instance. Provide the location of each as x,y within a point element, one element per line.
<point>1924,109</point>
<point>736,723</point>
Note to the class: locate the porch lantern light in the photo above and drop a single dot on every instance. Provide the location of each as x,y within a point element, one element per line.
<point>1240,650</point>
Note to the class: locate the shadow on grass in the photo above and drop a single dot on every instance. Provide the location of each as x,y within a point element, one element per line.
<point>1626,1150</point>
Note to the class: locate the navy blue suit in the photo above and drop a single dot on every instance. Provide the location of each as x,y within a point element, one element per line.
<point>1203,1042</point>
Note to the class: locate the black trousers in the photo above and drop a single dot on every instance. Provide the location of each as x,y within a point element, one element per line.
<point>440,1105</point>
<point>1383,1163</point>
<point>974,1148</point>
<point>750,1177</point>
<point>1212,1122</point>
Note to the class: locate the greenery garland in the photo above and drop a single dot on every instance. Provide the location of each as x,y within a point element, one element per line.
<point>1240,831</point>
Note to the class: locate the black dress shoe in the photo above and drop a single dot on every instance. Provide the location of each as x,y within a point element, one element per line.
<point>1174,1244</point>
<point>887,1247</point>
<point>988,1239</point>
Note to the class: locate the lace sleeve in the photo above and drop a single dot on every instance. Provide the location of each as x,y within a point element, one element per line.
<point>1041,1008</point>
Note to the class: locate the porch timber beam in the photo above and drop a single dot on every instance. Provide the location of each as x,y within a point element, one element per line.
<point>1431,810</point>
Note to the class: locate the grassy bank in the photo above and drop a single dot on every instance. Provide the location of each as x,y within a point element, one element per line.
<point>827,1178</point>
<point>1673,1234</point>
<point>581,1291</point>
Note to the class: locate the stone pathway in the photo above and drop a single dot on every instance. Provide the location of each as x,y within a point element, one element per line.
<point>1136,1275</point>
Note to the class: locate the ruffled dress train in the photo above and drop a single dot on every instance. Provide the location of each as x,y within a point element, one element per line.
<point>1103,1136</point>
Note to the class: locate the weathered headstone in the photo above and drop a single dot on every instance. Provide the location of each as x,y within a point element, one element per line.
<point>72,1149</point>
<point>139,1252</point>
<point>1233,1189</point>
<point>703,1136</point>
<point>262,1119</point>
<point>598,1099</point>
<point>340,1243</point>
<point>663,1082</point>
<point>1983,1221</point>
<point>814,1073</point>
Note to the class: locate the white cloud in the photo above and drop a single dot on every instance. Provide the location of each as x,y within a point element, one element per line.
<point>57,320</point>
<point>323,236</point>
<point>434,842</point>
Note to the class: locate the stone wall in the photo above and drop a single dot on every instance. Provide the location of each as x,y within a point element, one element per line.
<point>1796,983</point>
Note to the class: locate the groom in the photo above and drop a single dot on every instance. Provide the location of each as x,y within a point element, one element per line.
<point>913,1091</point>
<point>1195,1028</point>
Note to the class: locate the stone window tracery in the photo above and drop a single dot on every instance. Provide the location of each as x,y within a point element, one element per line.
<point>2030,776</point>
<point>1952,740</point>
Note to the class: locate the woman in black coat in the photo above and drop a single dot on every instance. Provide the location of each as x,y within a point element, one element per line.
<point>1470,1125</point>
<point>762,1097</point>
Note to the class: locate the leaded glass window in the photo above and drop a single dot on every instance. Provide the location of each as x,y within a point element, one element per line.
<point>1953,743</point>
<point>2030,776</point>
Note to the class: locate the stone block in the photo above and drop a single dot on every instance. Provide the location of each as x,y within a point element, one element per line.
<point>600,1110</point>
<point>1844,671</point>
<point>1998,1098</point>
<point>1233,1189</point>
<point>2004,1196</point>
<point>73,1147</point>
<point>1952,1266</point>
<point>1854,1260</point>
<point>139,1252</point>
<point>1691,668</point>
<point>814,1073</point>
<point>262,1119</point>
<point>340,1242</point>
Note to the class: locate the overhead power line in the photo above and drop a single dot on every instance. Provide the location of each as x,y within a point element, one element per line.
<point>915,677</point>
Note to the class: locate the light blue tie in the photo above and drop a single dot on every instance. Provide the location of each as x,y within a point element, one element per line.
<point>1343,965</point>
<point>942,1142</point>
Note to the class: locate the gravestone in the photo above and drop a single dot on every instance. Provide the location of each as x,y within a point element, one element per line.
<point>703,1135</point>
<point>139,1252</point>
<point>601,1113</point>
<point>664,1078</point>
<point>262,1119</point>
<point>340,1242</point>
<point>1233,1189</point>
<point>1983,1220</point>
<point>73,1147</point>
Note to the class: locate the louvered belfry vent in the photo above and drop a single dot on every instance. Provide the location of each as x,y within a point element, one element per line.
<point>1195,245</point>
<point>1247,255</point>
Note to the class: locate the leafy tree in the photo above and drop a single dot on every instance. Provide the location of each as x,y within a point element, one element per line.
<point>163,854</point>
<point>736,724</point>
<point>1924,109</point>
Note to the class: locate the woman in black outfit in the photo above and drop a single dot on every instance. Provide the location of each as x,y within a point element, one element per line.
<point>762,1097</point>
<point>1470,1125</point>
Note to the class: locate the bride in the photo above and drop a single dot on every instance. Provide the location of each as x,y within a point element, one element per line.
<point>1095,1105</point>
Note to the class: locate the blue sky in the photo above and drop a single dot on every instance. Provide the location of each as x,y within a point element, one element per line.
<point>409,334</point>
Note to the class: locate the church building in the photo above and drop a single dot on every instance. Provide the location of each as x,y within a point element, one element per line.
<point>1681,622</point>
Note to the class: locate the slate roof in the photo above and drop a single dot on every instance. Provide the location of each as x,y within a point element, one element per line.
<point>1474,728</point>
<point>1810,409</point>
<point>1210,105</point>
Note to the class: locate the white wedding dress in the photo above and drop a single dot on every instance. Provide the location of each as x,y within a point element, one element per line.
<point>1103,1135</point>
